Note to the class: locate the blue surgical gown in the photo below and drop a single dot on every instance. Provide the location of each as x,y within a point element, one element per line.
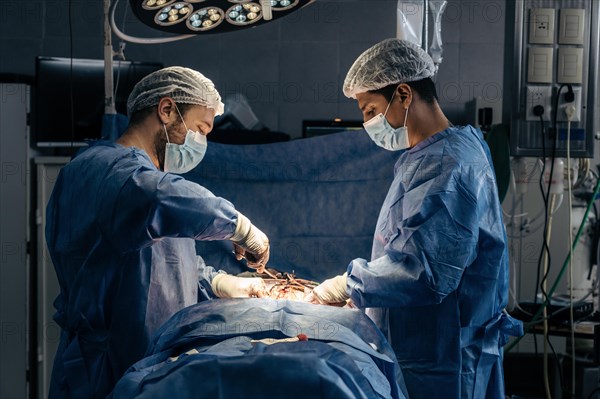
<point>121,236</point>
<point>437,282</point>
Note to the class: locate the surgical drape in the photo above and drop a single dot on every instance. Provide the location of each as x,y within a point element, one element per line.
<point>345,356</point>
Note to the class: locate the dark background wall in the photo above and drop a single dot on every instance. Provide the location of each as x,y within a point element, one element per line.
<point>291,69</point>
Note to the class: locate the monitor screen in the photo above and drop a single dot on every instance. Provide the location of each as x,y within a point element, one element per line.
<point>312,128</point>
<point>65,87</point>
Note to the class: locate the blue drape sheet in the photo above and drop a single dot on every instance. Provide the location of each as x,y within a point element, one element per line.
<point>317,199</point>
<point>345,356</point>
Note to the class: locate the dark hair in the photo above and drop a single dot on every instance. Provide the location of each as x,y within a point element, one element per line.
<point>425,88</point>
<point>138,116</point>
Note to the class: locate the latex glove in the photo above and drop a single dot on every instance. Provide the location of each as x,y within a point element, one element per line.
<point>250,243</point>
<point>228,286</point>
<point>330,292</point>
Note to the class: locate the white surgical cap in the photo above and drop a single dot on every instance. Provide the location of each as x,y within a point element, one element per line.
<point>183,85</point>
<point>391,61</point>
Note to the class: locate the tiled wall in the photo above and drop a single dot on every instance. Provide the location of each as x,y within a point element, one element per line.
<point>473,65</point>
<point>290,69</point>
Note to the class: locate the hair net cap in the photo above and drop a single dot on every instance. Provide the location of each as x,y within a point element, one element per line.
<point>184,85</point>
<point>392,61</point>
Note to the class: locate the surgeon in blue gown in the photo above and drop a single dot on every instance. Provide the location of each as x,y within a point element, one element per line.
<point>121,231</point>
<point>437,280</point>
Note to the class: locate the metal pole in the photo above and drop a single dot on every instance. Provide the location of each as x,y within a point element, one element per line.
<point>109,100</point>
<point>426,26</point>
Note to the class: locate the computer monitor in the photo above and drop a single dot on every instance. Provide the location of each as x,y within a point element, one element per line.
<point>312,128</point>
<point>74,88</point>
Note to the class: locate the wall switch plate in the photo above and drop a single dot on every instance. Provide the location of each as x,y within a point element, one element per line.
<point>541,26</point>
<point>538,95</point>
<point>571,26</point>
<point>570,65</point>
<point>540,65</point>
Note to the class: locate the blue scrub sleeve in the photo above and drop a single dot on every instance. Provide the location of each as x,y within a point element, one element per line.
<point>152,205</point>
<point>205,276</point>
<point>436,233</point>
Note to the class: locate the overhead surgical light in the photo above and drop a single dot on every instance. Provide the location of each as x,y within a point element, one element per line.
<point>186,19</point>
<point>211,16</point>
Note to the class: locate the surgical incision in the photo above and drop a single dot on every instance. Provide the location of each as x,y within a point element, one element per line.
<point>287,286</point>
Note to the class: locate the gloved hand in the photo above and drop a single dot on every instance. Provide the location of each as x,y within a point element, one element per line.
<point>330,292</point>
<point>228,286</point>
<point>250,243</point>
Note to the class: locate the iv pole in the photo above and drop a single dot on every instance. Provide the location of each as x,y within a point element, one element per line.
<point>109,100</point>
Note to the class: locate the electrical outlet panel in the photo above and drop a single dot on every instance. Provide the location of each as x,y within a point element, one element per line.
<point>540,65</point>
<point>562,105</point>
<point>538,95</point>
<point>495,106</point>
<point>572,23</point>
<point>541,26</point>
<point>570,65</point>
<point>554,43</point>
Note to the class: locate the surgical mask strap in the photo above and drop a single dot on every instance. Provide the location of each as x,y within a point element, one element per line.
<point>388,107</point>
<point>166,134</point>
<point>389,104</point>
<point>184,125</point>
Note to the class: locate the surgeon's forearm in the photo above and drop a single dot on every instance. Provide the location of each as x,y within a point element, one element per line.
<point>385,283</point>
<point>193,212</point>
<point>206,274</point>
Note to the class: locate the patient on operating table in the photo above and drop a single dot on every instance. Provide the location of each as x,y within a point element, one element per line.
<point>279,285</point>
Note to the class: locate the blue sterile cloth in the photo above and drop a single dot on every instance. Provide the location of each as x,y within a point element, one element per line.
<point>113,126</point>
<point>316,199</point>
<point>345,356</point>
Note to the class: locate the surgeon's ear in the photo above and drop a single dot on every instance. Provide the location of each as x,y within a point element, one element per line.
<point>166,110</point>
<point>404,93</point>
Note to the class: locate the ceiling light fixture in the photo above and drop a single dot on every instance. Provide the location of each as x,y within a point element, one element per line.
<point>211,16</point>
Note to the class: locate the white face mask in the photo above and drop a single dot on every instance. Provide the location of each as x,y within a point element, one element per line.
<point>384,135</point>
<point>181,158</point>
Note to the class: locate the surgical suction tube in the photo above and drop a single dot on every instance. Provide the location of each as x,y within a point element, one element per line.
<point>565,266</point>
